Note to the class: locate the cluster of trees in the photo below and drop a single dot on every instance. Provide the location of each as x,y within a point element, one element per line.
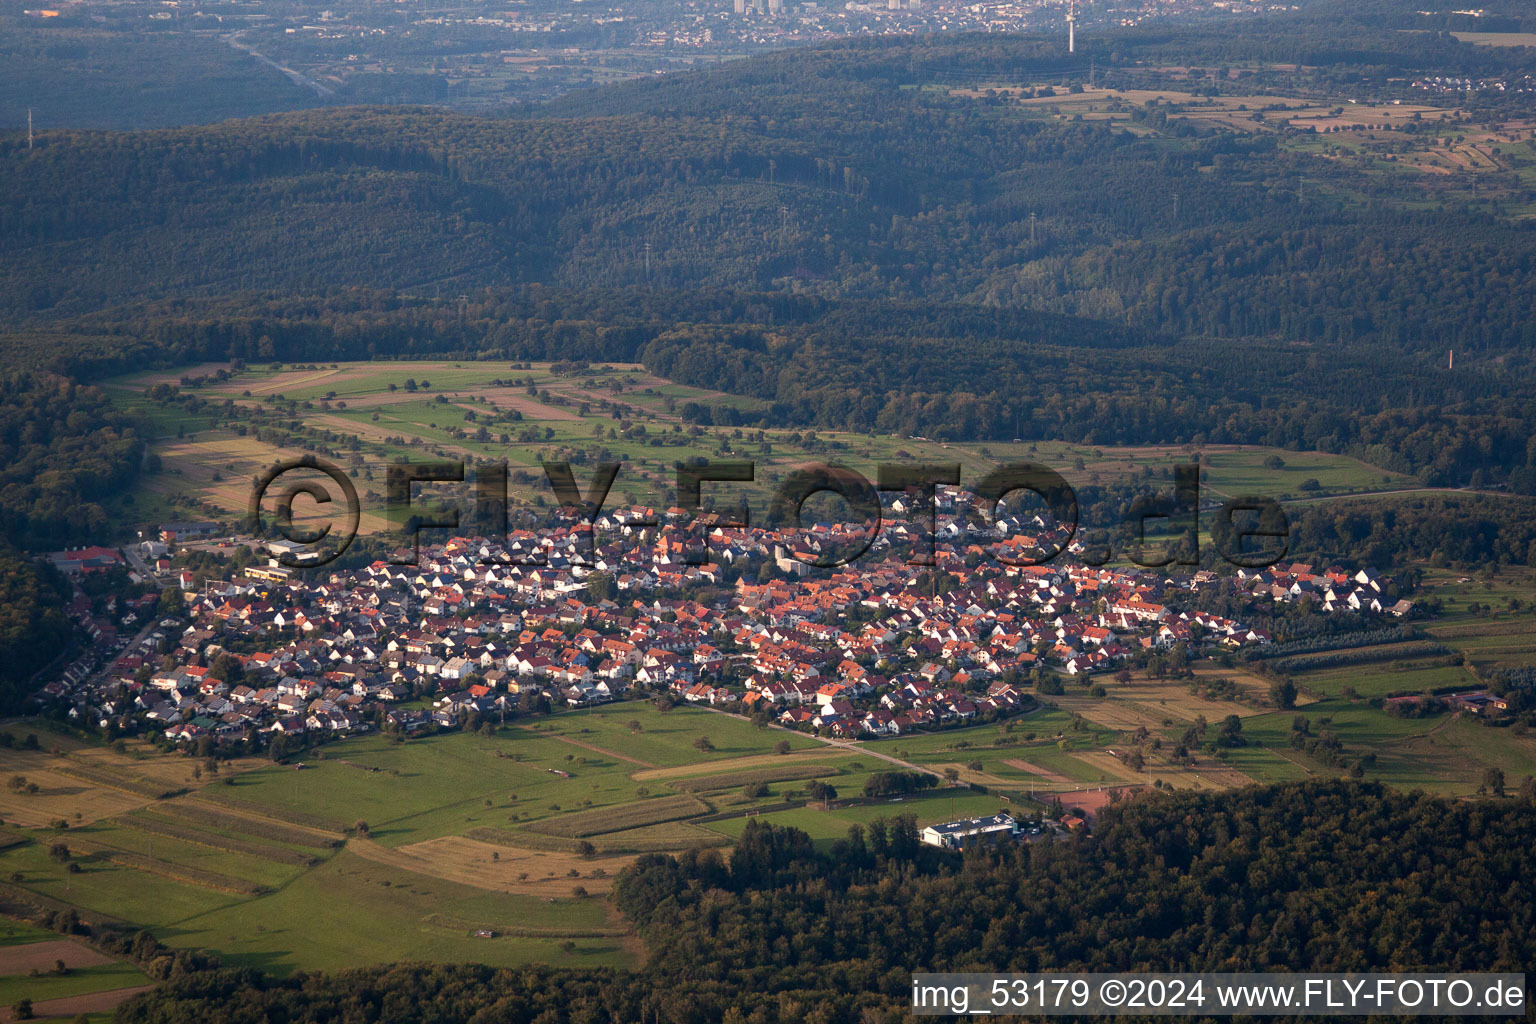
<point>63,451</point>
<point>1339,659</point>
<point>1452,530</point>
<point>1324,876</point>
<point>1349,641</point>
<point>1515,683</point>
<point>883,784</point>
<point>33,626</point>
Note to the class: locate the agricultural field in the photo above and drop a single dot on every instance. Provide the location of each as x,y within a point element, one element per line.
<point>1390,679</point>
<point>1249,113</point>
<point>430,840</point>
<point>1445,755</point>
<point>376,849</point>
<point>1497,38</point>
<point>66,779</point>
<point>1443,148</point>
<point>88,982</point>
<point>1487,620</point>
<point>364,415</point>
<point>373,848</point>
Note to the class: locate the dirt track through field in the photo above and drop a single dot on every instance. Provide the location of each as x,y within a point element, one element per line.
<point>322,837</point>
<point>606,753</point>
<point>496,868</point>
<point>736,764</point>
<point>289,381</point>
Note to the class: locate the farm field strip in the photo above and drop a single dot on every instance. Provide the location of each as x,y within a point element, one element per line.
<point>211,467</point>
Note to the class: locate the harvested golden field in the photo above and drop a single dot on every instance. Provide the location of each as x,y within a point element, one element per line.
<point>498,868</point>
<point>1205,774</point>
<point>1115,712</point>
<point>59,796</point>
<point>617,819</point>
<point>766,775</point>
<point>86,784</point>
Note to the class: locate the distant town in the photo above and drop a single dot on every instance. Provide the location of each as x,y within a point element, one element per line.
<point>475,57</point>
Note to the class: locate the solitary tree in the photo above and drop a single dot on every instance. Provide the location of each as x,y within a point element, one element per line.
<point>1493,781</point>
<point>1283,693</point>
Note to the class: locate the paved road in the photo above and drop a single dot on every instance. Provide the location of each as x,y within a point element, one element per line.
<point>140,566</point>
<point>100,675</point>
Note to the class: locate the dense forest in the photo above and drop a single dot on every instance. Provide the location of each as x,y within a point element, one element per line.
<point>1316,876</point>
<point>33,627</point>
<point>837,233</point>
<point>1453,529</point>
<point>63,448</point>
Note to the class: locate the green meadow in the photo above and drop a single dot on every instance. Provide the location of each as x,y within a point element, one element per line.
<point>530,413</point>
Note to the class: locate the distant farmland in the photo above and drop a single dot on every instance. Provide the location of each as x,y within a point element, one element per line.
<point>364,415</point>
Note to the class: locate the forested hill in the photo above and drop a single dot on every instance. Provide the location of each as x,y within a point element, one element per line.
<point>1328,876</point>
<point>839,232</point>
<point>821,172</point>
<point>1334,42</point>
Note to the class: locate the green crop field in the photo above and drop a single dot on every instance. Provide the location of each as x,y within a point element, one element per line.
<point>824,826</point>
<point>443,410</point>
<point>1387,679</point>
<point>469,831</point>
<point>79,981</point>
<point>19,933</point>
<point>464,832</point>
<point>1266,765</point>
<point>666,739</point>
<point>631,816</point>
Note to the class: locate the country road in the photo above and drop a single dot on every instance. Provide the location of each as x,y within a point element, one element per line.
<point>298,78</point>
